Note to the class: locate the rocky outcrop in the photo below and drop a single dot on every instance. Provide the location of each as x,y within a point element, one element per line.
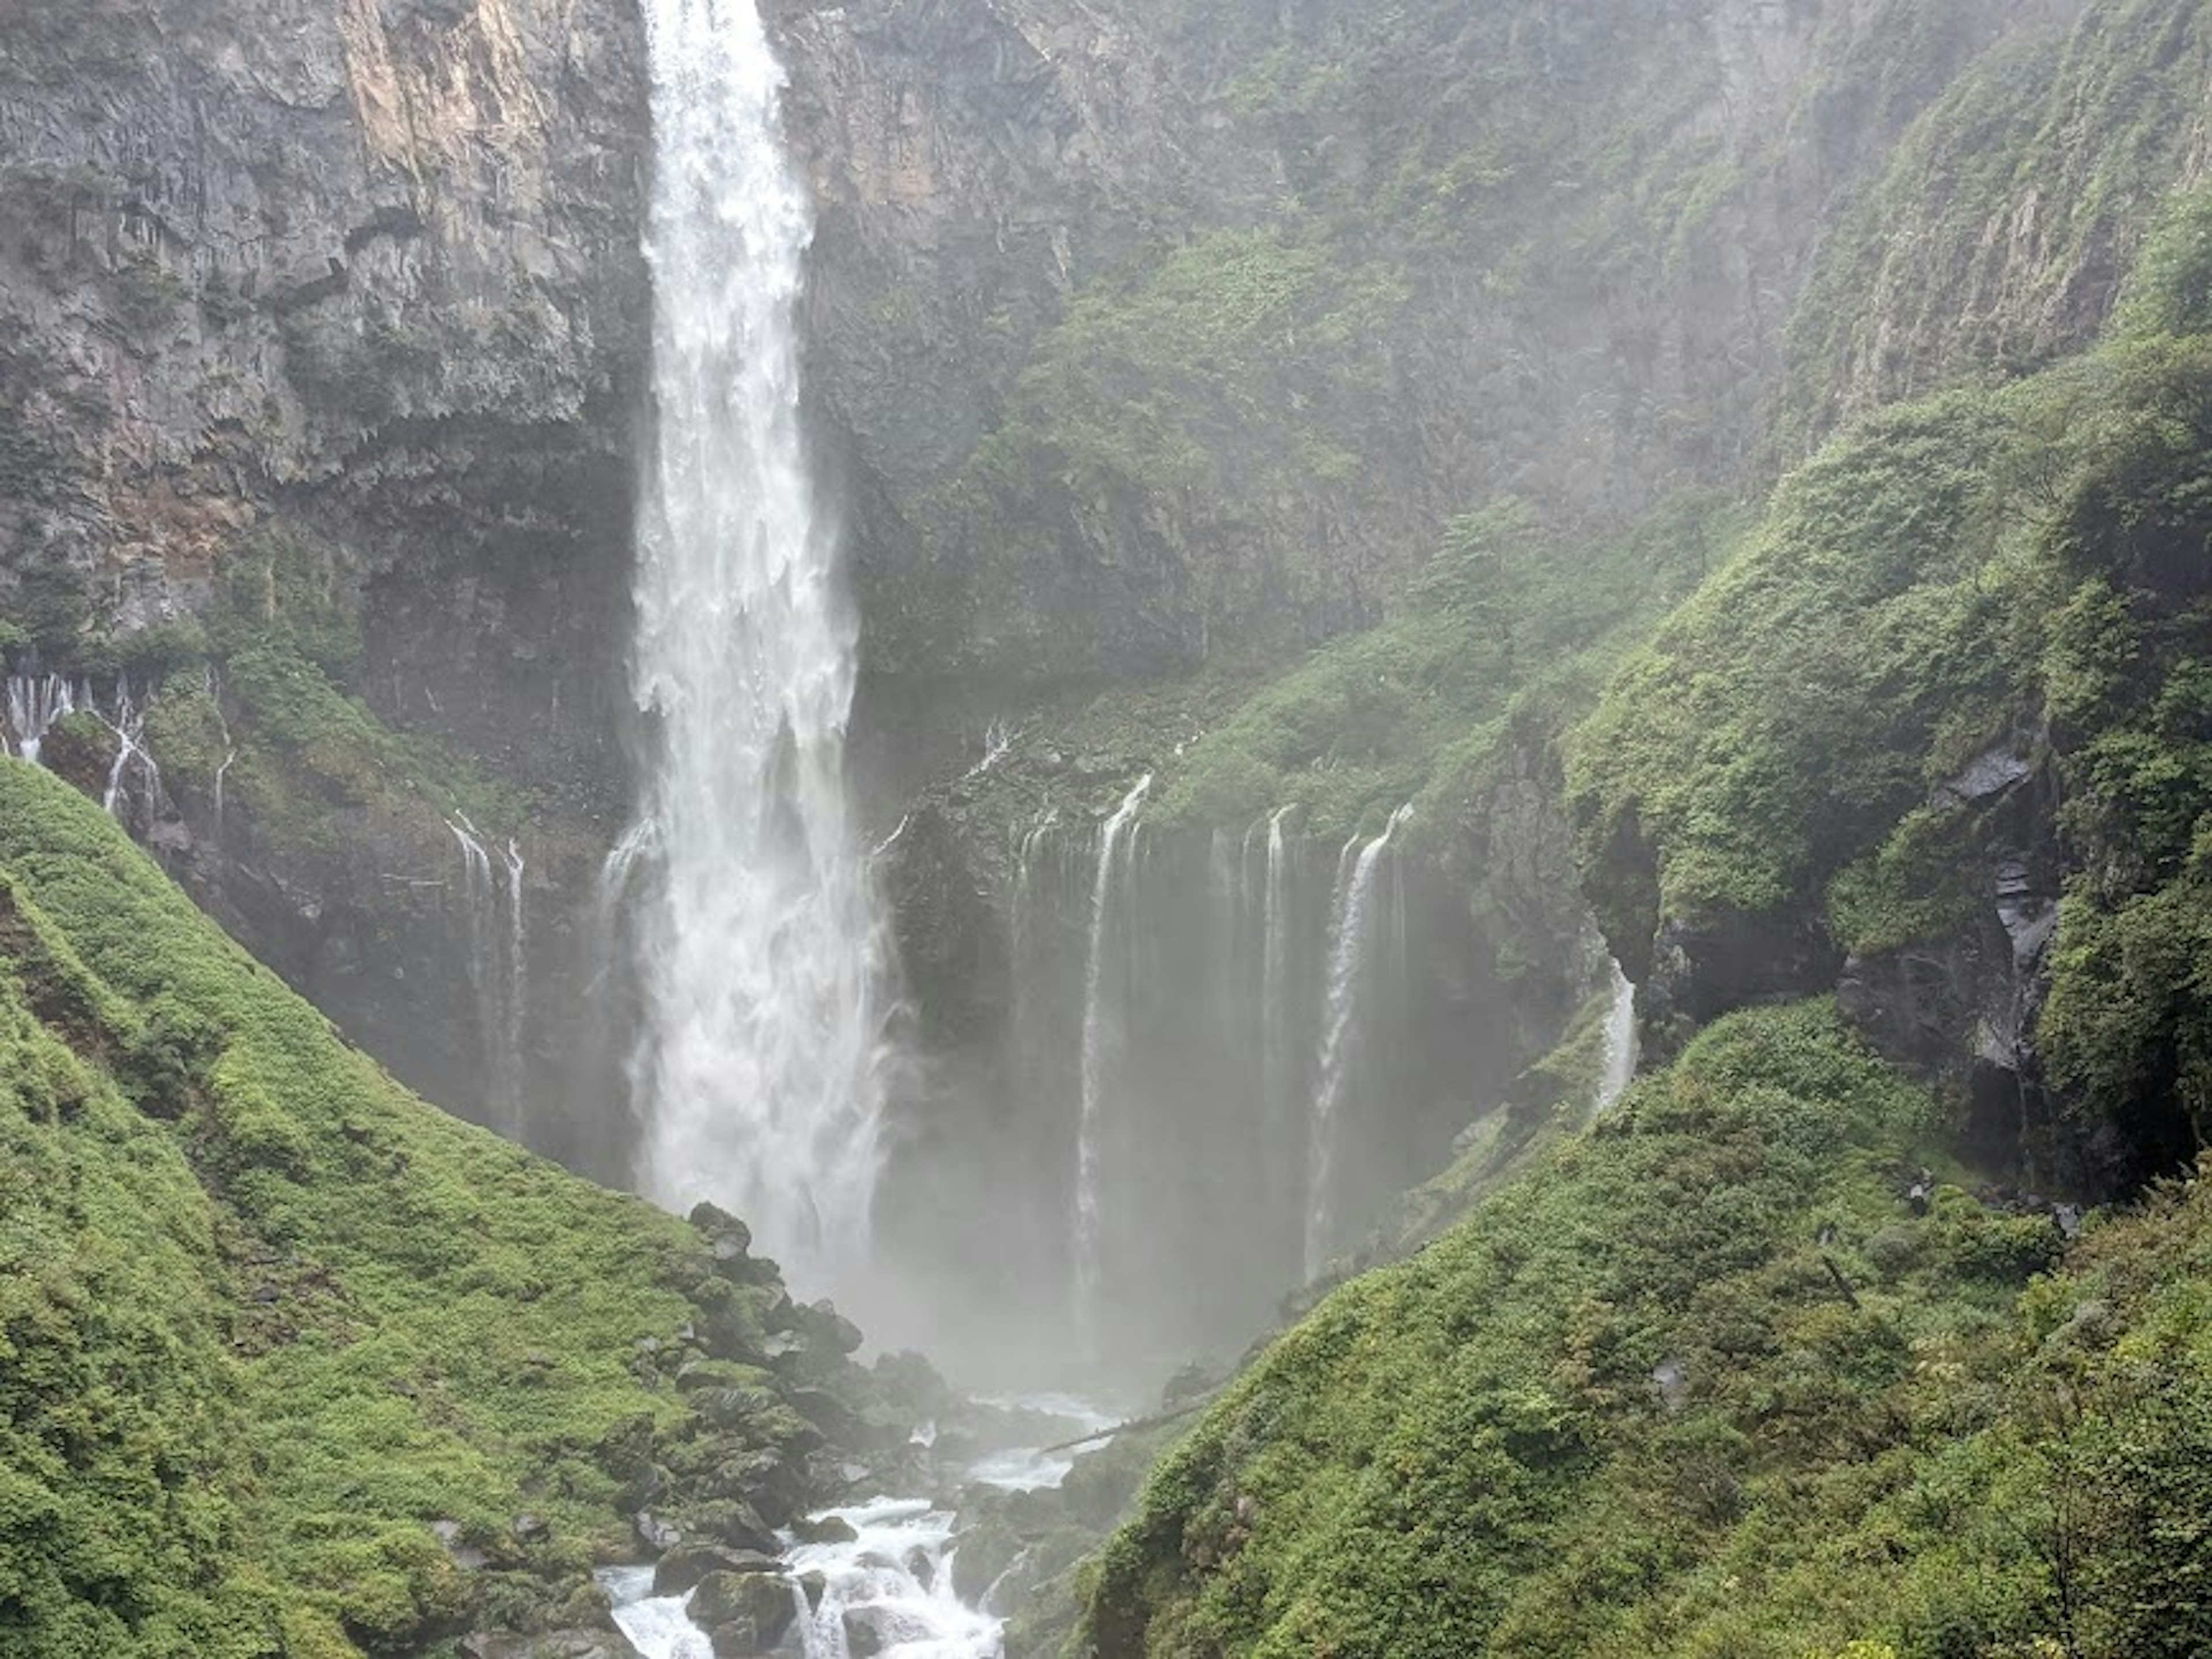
<point>323,326</point>
<point>1343,311</point>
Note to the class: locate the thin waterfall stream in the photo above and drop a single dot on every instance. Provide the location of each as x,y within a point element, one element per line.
<point>1352,950</point>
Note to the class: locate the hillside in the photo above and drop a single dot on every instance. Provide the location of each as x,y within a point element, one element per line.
<point>1722,1376</point>
<point>1786,1357</point>
<point>295,1364</point>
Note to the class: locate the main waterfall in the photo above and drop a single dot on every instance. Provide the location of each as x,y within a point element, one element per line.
<point>758,1068</point>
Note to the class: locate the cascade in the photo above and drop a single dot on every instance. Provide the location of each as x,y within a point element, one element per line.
<point>36,703</point>
<point>1620,1042</point>
<point>758,1071</point>
<point>1102,1017</point>
<point>129,730</point>
<point>1352,945</point>
<point>887,1589</point>
<point>498,966</point>
<point>213,686</point>
<point>1278,1068</point>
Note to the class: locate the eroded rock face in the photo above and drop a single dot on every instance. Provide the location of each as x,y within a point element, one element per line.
<point>372,267</point>
<point>349,293</point>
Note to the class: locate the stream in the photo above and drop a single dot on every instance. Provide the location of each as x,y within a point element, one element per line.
<point>892,1579</point>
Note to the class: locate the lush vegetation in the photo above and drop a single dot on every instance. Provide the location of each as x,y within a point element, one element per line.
<point>2016,572</point>
<point>1706,1384</point>
<point>265,1318</point>
<point>1509,633</point>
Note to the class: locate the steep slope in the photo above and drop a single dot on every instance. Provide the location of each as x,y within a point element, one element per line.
<point>1950,693</point>
<point>1725,1376</point>
<point>295,1364</point>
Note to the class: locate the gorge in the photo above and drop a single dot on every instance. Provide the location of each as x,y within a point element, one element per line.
<point>1459,755</point>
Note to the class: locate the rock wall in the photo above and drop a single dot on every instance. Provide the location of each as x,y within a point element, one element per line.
<point>344,297</point>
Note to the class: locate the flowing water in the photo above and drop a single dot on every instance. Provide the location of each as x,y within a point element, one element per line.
<point>1620,1041</point>
<point>1103,1036</point>
<point>890,1585</point>
<point>499,959</point>
<point>34,705</point>
<point>1352,945</point>
<point>759,1070</point>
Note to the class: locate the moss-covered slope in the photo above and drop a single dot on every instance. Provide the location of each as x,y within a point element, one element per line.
<point>1710,1382</point>
<point>1964,657</point>
<point>265,1319</point>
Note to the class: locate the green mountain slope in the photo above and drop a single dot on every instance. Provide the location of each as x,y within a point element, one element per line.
<point>265,1318</point>
<point>1730,1374</point>
<point>1708,1383</point>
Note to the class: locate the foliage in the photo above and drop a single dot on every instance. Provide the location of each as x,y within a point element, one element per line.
<point>2015,572</point>
<point>264,1316</point>
<point>1506,630</point>
<point>1702,1383</point>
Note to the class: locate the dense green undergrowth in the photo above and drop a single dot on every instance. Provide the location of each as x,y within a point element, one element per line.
<point>1705,1384</point>
<point>265,1318</point>
<point>1507,637</point>
<point>2008,582</point>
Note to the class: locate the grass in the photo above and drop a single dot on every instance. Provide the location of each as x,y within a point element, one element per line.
<point>266,1316</point>
<point>1703,1383</point>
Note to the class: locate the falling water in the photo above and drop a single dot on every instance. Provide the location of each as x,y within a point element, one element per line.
<point>498,966</point>
<point>36,703</point>
<point>1275,1062</point>
<point>1351,944</point>
<point>213,687</point>
<point>758,1069</point>
<point>127,728</point>
<point>1621,1045</point>
<point>1102,1035</point>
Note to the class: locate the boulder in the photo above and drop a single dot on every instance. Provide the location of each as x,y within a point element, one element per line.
<point>864,1638</point>
<point>745,1613</point>
<point>682,1569</point>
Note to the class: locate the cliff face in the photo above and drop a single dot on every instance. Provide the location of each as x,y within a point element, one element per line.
<point>1146,343</point>
<point>322,326</point>
<point>371,266</point>
<point>1149,350</point>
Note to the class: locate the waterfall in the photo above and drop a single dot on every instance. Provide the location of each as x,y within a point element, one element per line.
<point>1102,1017</point>
<point>759,1067</point>
<point>128,729</point>
<point>1621,1045</point>
<point>213,686</point>
<point>1278,1064</point>
<point>1349,951</point>
<point>36,703</point>
<point>498,967</point>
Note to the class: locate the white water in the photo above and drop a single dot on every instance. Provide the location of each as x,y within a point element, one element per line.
<point>498,967</point>
<point>1103,1017</point>
<point>894,1576</point>
<point>759,1068</point>
<point>1276,1065</point>
<point>32,705</point>
<point>1620,1041</point>
<point>1029,1469</point>
<point>35,705</point>
<point>657,1625</point>
<point>213,686</point>
<point>1351,944</point>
